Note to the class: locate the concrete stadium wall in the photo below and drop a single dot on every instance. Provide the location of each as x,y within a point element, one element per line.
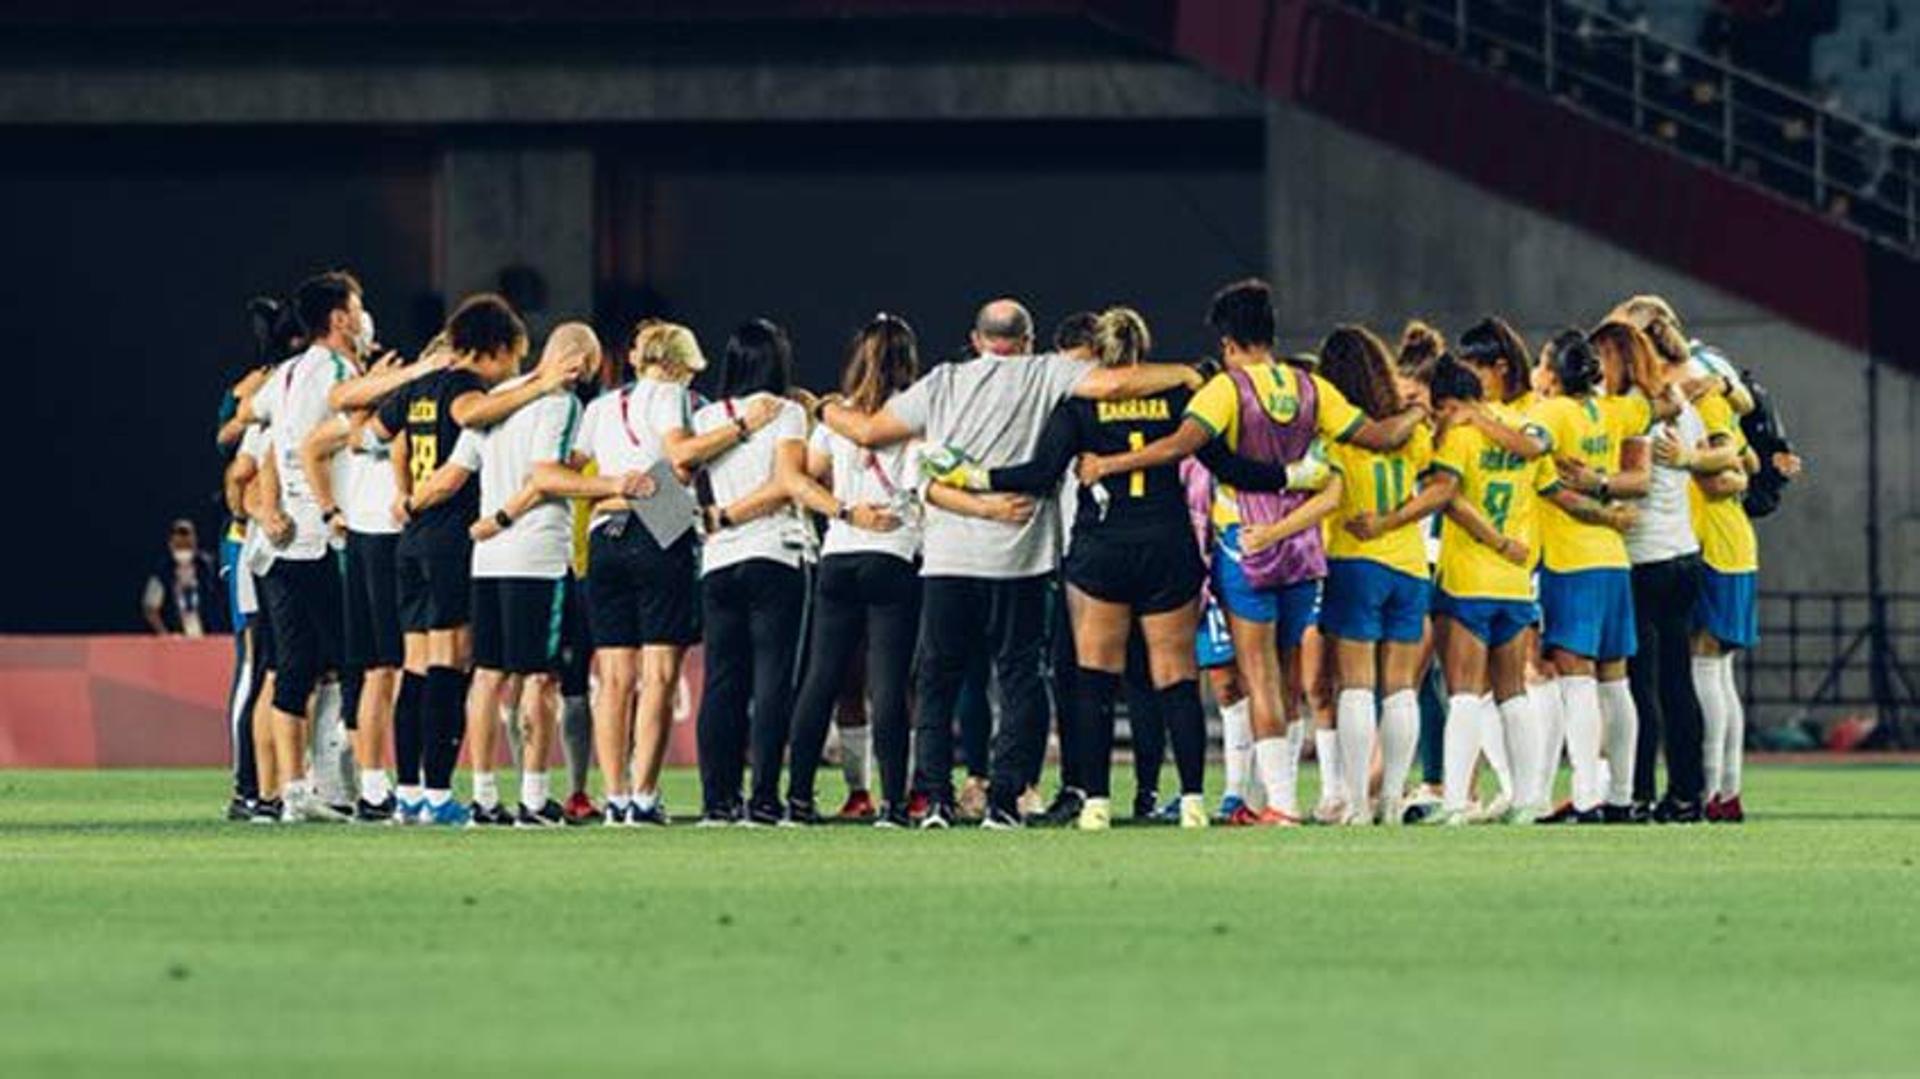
<point>1358,231</point>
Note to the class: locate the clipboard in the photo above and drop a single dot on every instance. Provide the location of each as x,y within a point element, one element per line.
<point>669,512</point>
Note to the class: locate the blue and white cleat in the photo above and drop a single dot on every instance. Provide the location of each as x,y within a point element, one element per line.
<point>411,811</point>
<point>1230,805</point>
<point>449,814</point>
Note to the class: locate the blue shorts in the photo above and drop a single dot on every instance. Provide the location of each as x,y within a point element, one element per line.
<point>1728,607</point>
<point>1212,643</point>
<point>1589,613</point>
<point>1493,621</point>
<point>1292,608</point>
<point>1366,601</point>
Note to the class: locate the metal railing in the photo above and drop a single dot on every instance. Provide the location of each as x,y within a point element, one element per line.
<point>1847,168</point>
<point>1818,656</point>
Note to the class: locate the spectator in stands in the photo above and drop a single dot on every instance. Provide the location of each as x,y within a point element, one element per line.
<point>183,597</point>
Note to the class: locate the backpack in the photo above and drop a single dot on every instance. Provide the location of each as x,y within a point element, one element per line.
<point>1766,431</point>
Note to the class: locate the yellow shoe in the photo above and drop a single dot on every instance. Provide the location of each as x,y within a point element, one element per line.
<point>1096,815</point>
<point>973,799</point>
<point>1193,811</point>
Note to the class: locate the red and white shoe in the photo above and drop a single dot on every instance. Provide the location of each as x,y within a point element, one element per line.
<point>859,806</point>
<point>916,807</point>
<point>1271,817</point>
<point>1731,812</point>
<point>580,809</point>
<point>1243,816</point>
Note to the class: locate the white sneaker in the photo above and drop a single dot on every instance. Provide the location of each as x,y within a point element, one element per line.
<point>1193,811</point>
<point>1451,818</point>
<point>1096,815</point>
<point>1392,811</point>
<point>1492,812</point>
<point>1330,811</point>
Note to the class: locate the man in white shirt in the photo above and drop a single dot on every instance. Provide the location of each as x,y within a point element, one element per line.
<point>986,580</point>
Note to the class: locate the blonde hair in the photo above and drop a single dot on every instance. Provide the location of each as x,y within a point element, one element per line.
<point>670,347</point>
<point>1120,337</point>
<point>571,339</point>
<point>1656,318</point>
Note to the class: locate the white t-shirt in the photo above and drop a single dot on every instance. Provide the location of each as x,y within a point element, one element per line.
<point>371,488</point>
<point>778,536</point>
<point>293,402</point>
<point>621,429</point>
<point>889,476</point>
<point>1665,526</point>
<point>256,554</point>
<point>540,543</point>
<point>992,408</point>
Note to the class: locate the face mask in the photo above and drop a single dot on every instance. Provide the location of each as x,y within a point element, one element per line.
<point>363,337</point>
<point>180,557</point>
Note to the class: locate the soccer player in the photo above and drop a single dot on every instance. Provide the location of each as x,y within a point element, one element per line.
<point>520,558</point>
<point>751,588</point>
<point>1585,587</point>
<point>303,590</point>
<point>1726,617</point>
<point>1213,654</point>
<point>433,559</point>
<point>1269,411</point>
<point>868,585</point>
<point>1377,590</point>
<point>984,580</point>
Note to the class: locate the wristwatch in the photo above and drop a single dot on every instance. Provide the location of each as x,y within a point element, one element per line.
<point>502,518</point>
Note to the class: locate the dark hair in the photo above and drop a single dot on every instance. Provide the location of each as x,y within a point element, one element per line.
<point>1451,380</point>
<point>1574,363</point>
<point>1420,347</point>
<point>1242,312</point>
<point>320,296</point>
<point>883,360</point>
<point>1488,342</point>
<point>1075,331</point>
<point>1357,364</point>
<point>484,324</point>
<point>758,359</point>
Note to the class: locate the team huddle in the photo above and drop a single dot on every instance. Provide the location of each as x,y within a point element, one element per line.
<point>1468,554</point>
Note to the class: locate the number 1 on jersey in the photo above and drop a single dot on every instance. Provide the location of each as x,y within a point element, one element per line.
<point>1137,479</point>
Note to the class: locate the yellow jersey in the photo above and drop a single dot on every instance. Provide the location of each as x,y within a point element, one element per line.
<point>1507,489</point>
<point>1217,408</point>
<point>1589,430</point>
<point>1727,540</point>
<point>1379,483</point>
<point>582,518</point>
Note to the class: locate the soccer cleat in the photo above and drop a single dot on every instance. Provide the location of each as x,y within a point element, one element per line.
<point>802,814</point>
<point>1642,813</point>
<point>764,815</point>
<point>615,816</point>
<point>972,804</point>
<point>858,806</point>
<point>1168,813</point>
<point>1003,820</point>
<point>493,816</point>
<point>240,809</point>
<point>1671,810</point>
<point>1331,811</point>
<point>719,817</point>
<point>266,811</point>
<point>891,817</point>
<point>1616,814</point>
<point>410,812</point>
<point>653,816</point>
<point>1243,817</point>
<point>1146,805</point>
<point>938,817</point>
<point>1193,810</point>
<point>1275,817</point>
<point>1229,805</point>
<point>917,805</point>
<point>1525,814</point>
<point>580,809</point>
<point>1096,815</point>
<point>1064,811</point>
<point>1030,803</point>
<point>1452,818</point>
<point>1492,812</point>
<point>365,812</point>
<point>1731,811</point>
<point>1394,811</point>
<point>1564,813</point>
<point>549,815</point>
<point>449,814</point>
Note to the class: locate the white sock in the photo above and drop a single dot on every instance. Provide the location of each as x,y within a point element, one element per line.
<point>1236,744</point>
<point>1708,688</point>
<point>1520,725</point>
<point>1327,754</point>
<point>1493,743</point>
<point>1399,740</point>
<point>856,757</point>
<point>1462,750</point>
<point>438,797</point>
<point>1553,736</point>
<point>533,789</point>
<point>374,786</point>
<point>1358,728</point>
<point>332,749</point>
<point>1580,700</point>
<point>1296,742</point>
<point>1736,750</point>
<point>486,791</point>
<point>294,791</point>
<point>1621,732</point>
<point>408,792</point>
<point>1270,765</point>
<point>645,800</point>
<point>618,801</point>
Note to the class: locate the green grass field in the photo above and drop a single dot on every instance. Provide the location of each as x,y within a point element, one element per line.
<point>139,937</point>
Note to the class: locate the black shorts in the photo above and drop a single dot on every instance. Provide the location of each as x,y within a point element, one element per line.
<point>303,600</point>
<point>516,623</point>
<point>373,601</point>
<point>576,641</point>
<point>435,584</point>
<point>1150,573</point>
<point>638,594</point>
<point>261,623</point>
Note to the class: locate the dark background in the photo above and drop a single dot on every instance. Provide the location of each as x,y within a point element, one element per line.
<point>131,255</point>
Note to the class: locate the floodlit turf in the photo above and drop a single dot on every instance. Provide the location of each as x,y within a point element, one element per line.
<point>139,937</point>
